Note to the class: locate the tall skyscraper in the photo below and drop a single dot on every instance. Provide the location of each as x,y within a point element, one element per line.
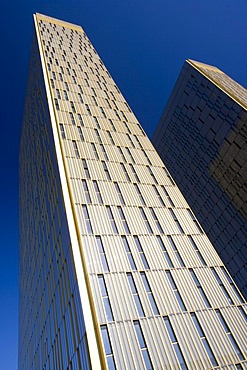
<point>115,270</point>
<point>202,138</point>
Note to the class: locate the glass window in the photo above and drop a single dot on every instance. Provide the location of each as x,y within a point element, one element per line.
<point>146,220</point>
<point>112,221</point>
<point>123,219</point>
<point>149,293</point>
<point>102,254</point>
<point>119,193</point>
<point>199,287</point>
<point>97,191</point>
<point>204,339</point>
<point>176,346</point>
<point>174,247</point>
<point>175,290</point>
<point>141,253</point>
<point>143,346</point>
<point>86,191</point>
<point>84,163</point>
<point>135,295</point>
<point>223,288</point>
<point>139,194</point>
<point>75,149</point>
<point>129,253</point>
<point>105,297</point>
<point>176,220</point>
<point>230,336</point>
<point>156,221</point>
<point>165,253</point>
<point>87,219</point>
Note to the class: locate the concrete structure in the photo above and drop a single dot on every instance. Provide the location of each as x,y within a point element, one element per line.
<point>115,271</point>
<point>202,138</point>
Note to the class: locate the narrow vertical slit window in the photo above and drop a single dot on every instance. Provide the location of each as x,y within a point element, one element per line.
<point>87,219</point>
<point>146,220</point>
<point>195,221</point>
<point>134,172</point>
<point>129,253</point>
<point>125,172</point>
<point>176,220</point>
<point>152,174</point>
<point>146,156</point>
<point>97,191</point>
<point>72,118</point>
<point>80,119</point>
<point>167,196</point>
<point>56,104</point>
<point>175,290</point>
<point>111,138</point>
<point>192,242</point>
<point>84,163</point>
<point>141,252</point>
<point>143,346</point>
<point>94,151</point>
<point>80,133</point>
<point>88,109</point>
<point>105,298</point>
<point>149,294</point>
<point>156,221</point>
<point>102,254</point>
<point>58,94</point>
<point>130,140</point>
<point>121,153</point>
<point>106,170</point>
<point>62,131</point>
<point>140,195</point>
<point>175,344</point>
<point>165,253</point>
<point>123,219</point>
<point>104,152</point>
<point>108,348</point>
<point>158,196</point>
<point>112,125</point>
<point>174,247</point>
<point>204,339</point>
<point>65,95</point>
<point>223,288</point>
<point>139,145</point>
<point>96,121</point>
<point>120,196</point>
<point>75,149</point>
<point>135,295</point>
<point>112,221</point>
<point>229,335</point>
<point>230,281</point>
<point>98,135</point>
<point>86,191</point>
<point>72,106</point>
<point>169,176</point>
<point>130,155</point>
<point>199,287</point>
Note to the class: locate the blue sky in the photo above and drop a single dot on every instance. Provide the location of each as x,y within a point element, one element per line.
<point>143,44</point>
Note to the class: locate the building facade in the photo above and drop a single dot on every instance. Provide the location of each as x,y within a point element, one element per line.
<point>115,270</point>
<point>202,138</point>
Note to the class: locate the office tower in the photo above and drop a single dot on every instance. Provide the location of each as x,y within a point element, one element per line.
<point>115,270</point>
<point>202,138</point>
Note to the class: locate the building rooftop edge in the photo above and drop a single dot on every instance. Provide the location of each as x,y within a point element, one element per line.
<point>201,68</point>
<point>58,21</point>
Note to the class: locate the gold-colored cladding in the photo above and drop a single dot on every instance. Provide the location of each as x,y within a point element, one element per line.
<point>201,67</point>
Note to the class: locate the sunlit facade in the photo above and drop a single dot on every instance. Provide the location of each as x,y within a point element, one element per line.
<point>115,270</point>
<point>202,139</point>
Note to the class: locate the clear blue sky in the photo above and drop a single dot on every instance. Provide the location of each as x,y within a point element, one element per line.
<point>143,44</point>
